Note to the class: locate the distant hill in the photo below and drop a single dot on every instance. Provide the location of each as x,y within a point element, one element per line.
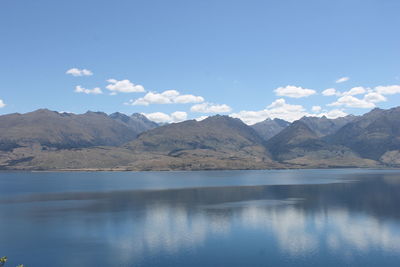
<point>323,126</point>
<point>66,130</point>
<point>269,128</point>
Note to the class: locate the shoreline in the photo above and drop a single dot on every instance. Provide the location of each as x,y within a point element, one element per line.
<point>194,170</point>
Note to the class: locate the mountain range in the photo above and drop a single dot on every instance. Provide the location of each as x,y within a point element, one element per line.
<point>66,130</point>
<point>49,140</point>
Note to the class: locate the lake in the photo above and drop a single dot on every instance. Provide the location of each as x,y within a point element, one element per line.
<point>346,217</point>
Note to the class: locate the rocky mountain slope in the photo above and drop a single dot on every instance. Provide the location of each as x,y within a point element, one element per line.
<point>216,139</point>
<point>372,135</point>
<point>298,145</point>
<point>218,142</point>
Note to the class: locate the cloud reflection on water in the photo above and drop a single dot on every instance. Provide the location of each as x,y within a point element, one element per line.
<point>300,220</point>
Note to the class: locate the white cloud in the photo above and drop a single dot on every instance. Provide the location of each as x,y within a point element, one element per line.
<point>158,117</point>
<point>331,92</point>
<point>210,108</point>
<point>2,104</point>
<point>178,116</point>
<point>95,91</point>
<point>316,108</point>
<point>184,99</point>
<point>342,80</point>
<point>388,90</point>
<point>374,97</point>
<point>124,86</point>
<point>79,72</point>
<point>352,102</point>
<point>278,109</point>
<point>371,96</point>
<point>166,97</point>
<point>251,117</point>
<point>355,91</point>
<point>152,98</point>
<point>294,91</point>
<point>161,117</point>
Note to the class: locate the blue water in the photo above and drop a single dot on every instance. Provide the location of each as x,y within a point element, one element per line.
<point>224,218</point>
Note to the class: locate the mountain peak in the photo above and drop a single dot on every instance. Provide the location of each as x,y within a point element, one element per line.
<point>136,121</point>
<point>218,117</point>
<point>119,116</point>
<point>267,120</point>
<point>376,109</point>
<point>269,128</point>
<point>297,132</point>
<point>323,126</point>
<point>139,116</point>
<point>43,111</point>
<point>89,112</point>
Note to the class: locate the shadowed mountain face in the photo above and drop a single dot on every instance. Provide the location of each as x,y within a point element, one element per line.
<point>371,135</point>
<point>323,126</point>
<point>269,128</point>
<point>299,145</point>
<point>297,135</point>
<point>66,130</point>
<point>214,133</point>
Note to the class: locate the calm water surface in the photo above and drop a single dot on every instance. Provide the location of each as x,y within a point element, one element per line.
<point>223,218</point>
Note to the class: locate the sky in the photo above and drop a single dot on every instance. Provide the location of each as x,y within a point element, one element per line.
<point>188,59</point>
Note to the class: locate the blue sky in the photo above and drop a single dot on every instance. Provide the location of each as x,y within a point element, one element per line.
<point>250,59</point>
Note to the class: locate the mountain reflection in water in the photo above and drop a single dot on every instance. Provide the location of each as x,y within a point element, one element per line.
<point>354,221</point>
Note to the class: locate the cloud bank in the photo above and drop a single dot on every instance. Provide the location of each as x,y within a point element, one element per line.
<point>294,91</point>
<point>161,117</point>
<point>282,110</point>
<point>210,108</point>
<point>166,97</point>
<point>370,97</point>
